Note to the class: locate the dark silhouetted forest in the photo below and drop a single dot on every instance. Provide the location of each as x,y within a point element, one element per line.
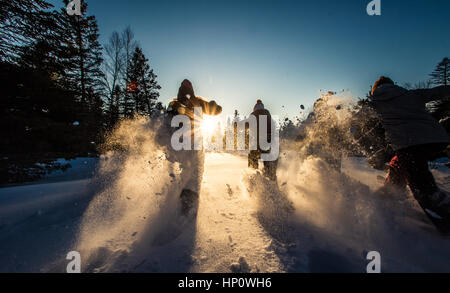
<point>61,89</point>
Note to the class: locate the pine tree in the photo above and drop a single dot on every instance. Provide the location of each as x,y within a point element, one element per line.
<point>142,87</point>
<point>441,75</point>
<point>50,75</point>
<point>40,56</point>
<point>81,53</point>
<point>20,22</point>
<point>40,50</point>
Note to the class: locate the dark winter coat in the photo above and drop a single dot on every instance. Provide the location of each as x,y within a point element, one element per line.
<point>262,112</point>
<point>405,118</point>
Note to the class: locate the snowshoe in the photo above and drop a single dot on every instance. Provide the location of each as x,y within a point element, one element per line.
<point>390,192</point>
<point>441,224</point>
<point>179,224</point>
<point>381,179</point>
<point>189,200</point>
<point>437,209</point>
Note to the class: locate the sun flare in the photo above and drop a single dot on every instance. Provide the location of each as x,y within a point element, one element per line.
<point>209,125</point>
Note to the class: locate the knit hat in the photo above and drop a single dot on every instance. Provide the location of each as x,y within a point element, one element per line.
<point>185,89</point>
<point>259,106</point>
<point>382,80</point>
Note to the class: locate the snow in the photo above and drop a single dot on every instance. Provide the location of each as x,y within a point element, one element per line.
<point>317,220</point>
<point>18,203</point>
<point>39,222</point>
<point>127,217</point>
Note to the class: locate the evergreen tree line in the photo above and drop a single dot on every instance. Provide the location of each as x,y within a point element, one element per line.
<point>441,76</point>
<point>61,90</point>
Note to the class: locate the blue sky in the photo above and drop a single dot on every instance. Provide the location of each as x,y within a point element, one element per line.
<point>283,51</point>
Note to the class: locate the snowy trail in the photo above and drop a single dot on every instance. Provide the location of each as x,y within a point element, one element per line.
<point>39,223</point>
<point>226,235</point>
<point>228,231</point>
<point>313,220</point>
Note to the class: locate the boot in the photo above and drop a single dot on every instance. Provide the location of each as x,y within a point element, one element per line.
<point>439,203</point>
<point>189,199</point>
<point>253,157</point>
<point>270,170</point>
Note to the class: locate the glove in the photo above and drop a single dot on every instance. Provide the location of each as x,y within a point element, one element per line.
<point>212,108</point>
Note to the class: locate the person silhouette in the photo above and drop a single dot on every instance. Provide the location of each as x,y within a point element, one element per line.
<point>416,137</point>
<point>191,161</point>
<point>270,167</point>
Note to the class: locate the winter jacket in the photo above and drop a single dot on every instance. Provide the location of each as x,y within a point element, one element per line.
<point>265,112</point>
<point>404,117</point>
<point>185,106</point>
